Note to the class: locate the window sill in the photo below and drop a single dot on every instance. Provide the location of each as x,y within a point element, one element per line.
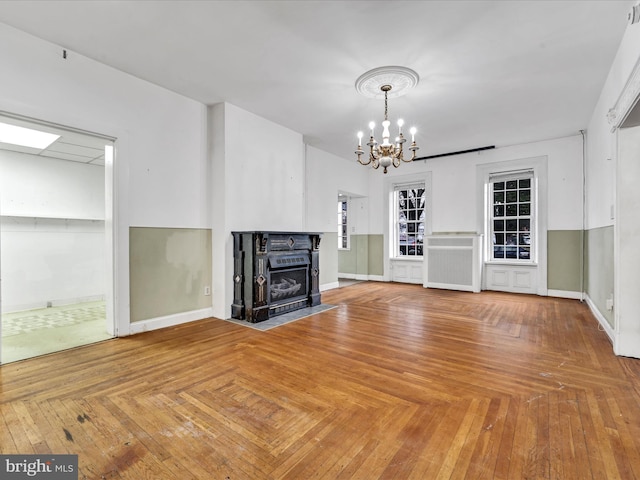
<point>409,259</point>
<point>512,263</point>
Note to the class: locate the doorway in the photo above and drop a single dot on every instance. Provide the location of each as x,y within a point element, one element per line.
<point>55,248</point>
<point>627,229</point>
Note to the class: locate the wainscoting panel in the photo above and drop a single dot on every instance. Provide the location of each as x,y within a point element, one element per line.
<point>406,271</point>
<point>511,278</point>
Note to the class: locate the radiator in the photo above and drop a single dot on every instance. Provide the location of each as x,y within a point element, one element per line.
<point>453,262</point>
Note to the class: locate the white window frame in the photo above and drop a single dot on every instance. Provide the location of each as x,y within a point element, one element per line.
<point>396,243</point>
<point>540,173</point>
<point>520,246</point>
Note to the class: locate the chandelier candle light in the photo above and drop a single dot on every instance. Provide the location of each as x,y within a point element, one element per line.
<point>390,82</point>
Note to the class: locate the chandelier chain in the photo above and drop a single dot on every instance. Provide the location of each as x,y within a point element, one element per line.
<point>385,105</point>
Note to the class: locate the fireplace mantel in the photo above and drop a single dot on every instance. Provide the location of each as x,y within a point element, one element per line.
<point>274,273</point>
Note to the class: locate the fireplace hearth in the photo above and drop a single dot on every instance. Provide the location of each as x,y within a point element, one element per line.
<point>274,273</point>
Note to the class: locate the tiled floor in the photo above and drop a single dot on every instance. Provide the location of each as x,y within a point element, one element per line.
<point>37,332</point>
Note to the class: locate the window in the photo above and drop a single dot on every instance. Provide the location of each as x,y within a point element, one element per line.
<point>409,201</point>
<point>512,216</point>
<point>343,236</point>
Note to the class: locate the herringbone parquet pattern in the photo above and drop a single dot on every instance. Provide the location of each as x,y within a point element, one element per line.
<point>398,382</point>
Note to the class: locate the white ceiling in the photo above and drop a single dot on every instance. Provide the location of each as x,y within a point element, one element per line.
<point>71,145</point>
<point>491,72</point>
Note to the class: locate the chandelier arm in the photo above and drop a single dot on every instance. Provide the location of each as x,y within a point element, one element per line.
<point>363,163</point>
<point>414,148</point>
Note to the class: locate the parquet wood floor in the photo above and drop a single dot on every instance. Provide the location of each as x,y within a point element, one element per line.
<point>397,382</point>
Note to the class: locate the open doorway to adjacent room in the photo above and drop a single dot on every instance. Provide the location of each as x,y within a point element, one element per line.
<point>55,237</point>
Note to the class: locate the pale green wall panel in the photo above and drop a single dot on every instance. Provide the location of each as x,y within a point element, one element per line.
<point>599,269</point>
<point>347,259</point>
<point>168,271</point>
<point>329,258</point>
<point>364,257</point>
<point>564,256</point>
<point>376,254</point>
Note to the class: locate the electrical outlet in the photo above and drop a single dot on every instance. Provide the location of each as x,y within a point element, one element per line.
<point>609,304</point>
<point>207,290</point>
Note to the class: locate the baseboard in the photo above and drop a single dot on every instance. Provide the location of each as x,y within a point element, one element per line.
<point>564,294</point>
<point>51,303</point>
<point>329,286</point>
<point>363,277</point>
<point>608,329</point>
<point>169,320</point>
<point>349,276</point>
<point>376,278</point>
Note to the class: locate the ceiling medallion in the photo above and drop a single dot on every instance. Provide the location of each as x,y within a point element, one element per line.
<point>386,82</point>
<point>401,79</point>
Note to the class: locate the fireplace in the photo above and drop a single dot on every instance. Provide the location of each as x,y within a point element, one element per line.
<point>274,273</point>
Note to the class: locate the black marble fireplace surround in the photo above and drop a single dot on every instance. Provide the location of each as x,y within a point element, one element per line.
<point>274,273</point>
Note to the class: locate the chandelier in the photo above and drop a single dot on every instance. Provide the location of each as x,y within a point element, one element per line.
<point>371,84</point>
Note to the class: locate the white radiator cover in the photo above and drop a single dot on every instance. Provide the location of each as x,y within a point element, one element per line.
<point>453,262</point>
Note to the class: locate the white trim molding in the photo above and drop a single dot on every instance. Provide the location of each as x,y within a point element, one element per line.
<point>537,268</point>
<point>565,294</point>
<point>608,329</point>
<point>627,99</point>
<point>329,286</point>
<point>170,320</point>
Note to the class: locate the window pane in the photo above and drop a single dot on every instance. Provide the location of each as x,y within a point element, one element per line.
<point>512,236</point>
<point>410,221</point>
<point>342,224</point>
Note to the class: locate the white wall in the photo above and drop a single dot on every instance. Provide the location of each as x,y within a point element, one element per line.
<point>264,173</point>
<point>34,186</point>
<point>50,262</point>
<point>258,179</point>
<point>52,239</point>
<point>326,175</point>
<point>161,168</point>
<point>601,141</point>
<point>455,196</point>
<point>610,160</point>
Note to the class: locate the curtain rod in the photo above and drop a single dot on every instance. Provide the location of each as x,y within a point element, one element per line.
<point>455,153</point>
